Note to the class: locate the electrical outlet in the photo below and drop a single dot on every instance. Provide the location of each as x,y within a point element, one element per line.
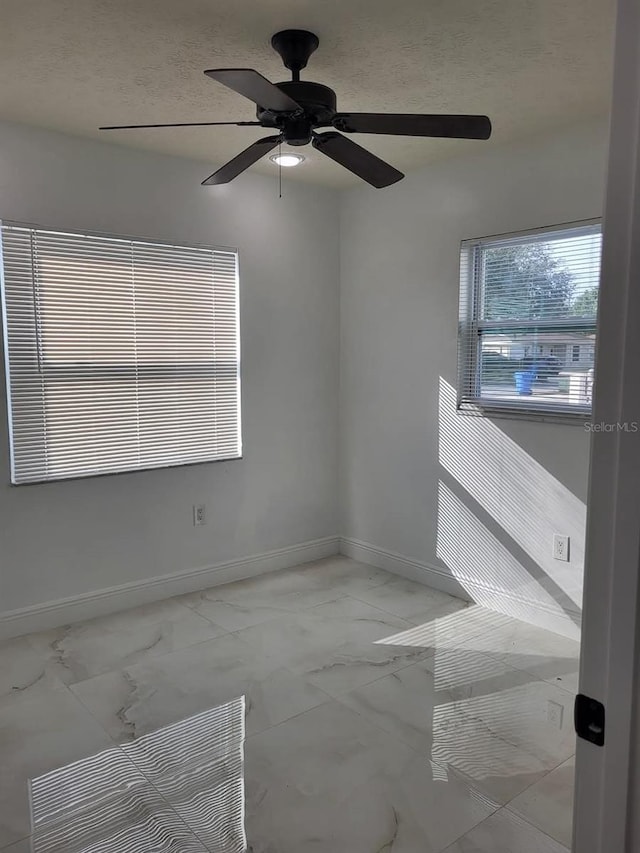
<point>555,714</point>
<point>199,515</point>
<point>560,547</point>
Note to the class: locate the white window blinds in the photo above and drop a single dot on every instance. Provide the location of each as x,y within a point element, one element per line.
<point>528,311</point>
<point>121,354</point>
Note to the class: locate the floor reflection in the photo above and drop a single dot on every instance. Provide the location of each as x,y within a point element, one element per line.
<point>179,789</point>
<point>380,715</point>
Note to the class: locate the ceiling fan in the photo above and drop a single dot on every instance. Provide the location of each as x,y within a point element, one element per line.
<point>296,109</point>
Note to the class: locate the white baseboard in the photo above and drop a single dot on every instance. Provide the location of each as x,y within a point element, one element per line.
<point>52,614</point>
<point>504,601</point>
<point>413,570</point>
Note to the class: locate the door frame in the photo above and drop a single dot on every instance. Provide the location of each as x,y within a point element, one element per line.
<point>605,784</point>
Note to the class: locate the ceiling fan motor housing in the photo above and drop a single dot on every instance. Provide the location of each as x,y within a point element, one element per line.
<point>318,104</point>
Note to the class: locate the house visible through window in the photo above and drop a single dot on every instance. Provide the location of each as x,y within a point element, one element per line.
<point>528,321</point>
<point>122,354</point>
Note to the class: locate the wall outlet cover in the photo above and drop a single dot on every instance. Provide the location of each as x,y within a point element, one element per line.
<point>199,515</point>
<point>560,547</point>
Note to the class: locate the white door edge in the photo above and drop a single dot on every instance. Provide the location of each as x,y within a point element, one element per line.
<point>603,814</point>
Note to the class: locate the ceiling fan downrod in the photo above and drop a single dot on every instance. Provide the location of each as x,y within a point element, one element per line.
<point>295,47</point>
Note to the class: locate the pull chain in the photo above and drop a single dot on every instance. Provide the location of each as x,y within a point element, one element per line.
<point>280,167</point>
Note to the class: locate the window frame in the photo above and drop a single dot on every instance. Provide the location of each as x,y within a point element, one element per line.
<point>471,328</point>
<point>72,367</point>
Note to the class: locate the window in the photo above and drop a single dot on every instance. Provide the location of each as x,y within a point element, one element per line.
<point>528,321</point>
<point>121,354</point>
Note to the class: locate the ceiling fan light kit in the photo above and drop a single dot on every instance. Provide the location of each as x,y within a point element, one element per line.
<point>287,159</point>
<point>295,109</point>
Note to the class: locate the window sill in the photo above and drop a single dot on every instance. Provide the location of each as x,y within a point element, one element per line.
<point>513,411</point>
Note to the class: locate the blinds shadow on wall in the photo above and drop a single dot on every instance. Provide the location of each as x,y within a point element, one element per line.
<point>121,354</point>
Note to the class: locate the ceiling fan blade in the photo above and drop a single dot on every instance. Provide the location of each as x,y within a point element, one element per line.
<point>254,86</point>
<point>357,159</point>
<point>452,127</point>
<point>181,124</point>
<point>242,161</point>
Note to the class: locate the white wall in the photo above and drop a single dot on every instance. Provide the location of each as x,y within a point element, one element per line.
<point>474,499</point>
<point>60,540</point>
<point>422,488</point>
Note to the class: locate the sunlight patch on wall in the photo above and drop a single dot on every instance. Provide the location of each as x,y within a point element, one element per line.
<point>489,571</point>
<point>519,494</point>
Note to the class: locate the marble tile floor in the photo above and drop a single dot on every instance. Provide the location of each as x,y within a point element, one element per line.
<point>381,715</point>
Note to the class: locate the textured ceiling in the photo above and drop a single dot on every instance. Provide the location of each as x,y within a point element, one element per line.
<point>72,65</point>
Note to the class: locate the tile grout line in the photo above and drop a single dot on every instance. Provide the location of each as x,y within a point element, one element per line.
<point>526,820</point>
<point>493,815</point>
<point>532,785</point>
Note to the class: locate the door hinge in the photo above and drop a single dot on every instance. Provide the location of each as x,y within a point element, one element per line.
<point>589,719</point>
